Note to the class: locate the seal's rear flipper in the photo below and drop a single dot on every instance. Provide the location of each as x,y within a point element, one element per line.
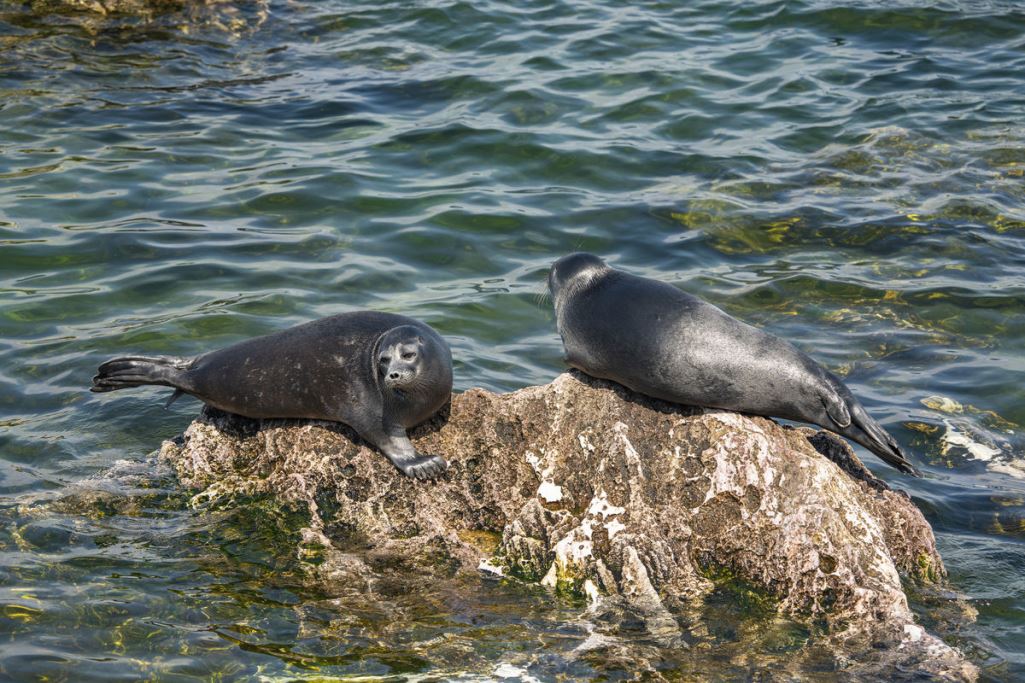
<point>134,371</point>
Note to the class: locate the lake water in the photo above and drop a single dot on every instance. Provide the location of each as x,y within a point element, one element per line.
<point>849,175</point>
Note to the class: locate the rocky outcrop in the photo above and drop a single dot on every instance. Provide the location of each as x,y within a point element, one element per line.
<point>588,488</point>
<point>227,16</point>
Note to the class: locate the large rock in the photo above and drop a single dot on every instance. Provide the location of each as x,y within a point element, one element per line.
<point>586,487</point>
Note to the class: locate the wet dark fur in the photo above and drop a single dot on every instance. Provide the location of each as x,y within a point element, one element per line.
<point>657,340</point>
<point>348,368</point>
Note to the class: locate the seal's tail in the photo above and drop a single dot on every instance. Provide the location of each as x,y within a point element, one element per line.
<point>872,436</point>
<point>134,371</point>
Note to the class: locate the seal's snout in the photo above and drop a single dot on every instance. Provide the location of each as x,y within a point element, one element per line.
<point>399,375</point>
<point>398,380</point>
<point>400,363</point>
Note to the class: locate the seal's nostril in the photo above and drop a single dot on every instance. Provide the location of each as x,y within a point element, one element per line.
<point>394,375</point>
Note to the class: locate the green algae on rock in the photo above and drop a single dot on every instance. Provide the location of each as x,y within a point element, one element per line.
<point>591,489</point>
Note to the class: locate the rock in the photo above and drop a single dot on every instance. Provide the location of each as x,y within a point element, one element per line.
<point>95,16</point>
<point>108,6</point>
<point>588,488</point>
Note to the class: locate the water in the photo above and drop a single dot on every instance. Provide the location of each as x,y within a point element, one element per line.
<point>848,175</point>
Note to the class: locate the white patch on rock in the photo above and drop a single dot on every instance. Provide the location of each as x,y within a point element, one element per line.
<point>934,649</point>
<point>632,457</point>
<point>548,490</point>
<point>552,577</point>
<point>741,457</point>
<point>551,492</point>
<point>585,443</point>
<point>913,633</point>
<point>591,591</point>
<point>506,670</point>
<point>533,461</point>
<point>486,566</point>
<point>614,526</point>
<point>571,554</point>
<point>600,506</point>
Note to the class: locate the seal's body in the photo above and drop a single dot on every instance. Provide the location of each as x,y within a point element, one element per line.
<point>657,340</point>
<point>379,373</point>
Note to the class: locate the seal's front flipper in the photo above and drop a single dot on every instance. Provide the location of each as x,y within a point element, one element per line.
<point>421,466</point>
<point>178,393</point>
<point>397,447</point>
<point>836,408</point>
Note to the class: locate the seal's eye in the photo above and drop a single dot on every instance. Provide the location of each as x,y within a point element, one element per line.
<point>384,360</point>
<point>409,355</point>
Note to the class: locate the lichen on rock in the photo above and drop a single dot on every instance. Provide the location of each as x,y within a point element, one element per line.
<point>588,488</point>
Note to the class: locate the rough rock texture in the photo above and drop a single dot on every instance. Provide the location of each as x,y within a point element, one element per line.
<point>228,16</point>
<point>108,6</point>
<point>586,487</point>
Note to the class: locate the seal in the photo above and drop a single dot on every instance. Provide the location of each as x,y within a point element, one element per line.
<point>660,341</point>
<point>378,373</point>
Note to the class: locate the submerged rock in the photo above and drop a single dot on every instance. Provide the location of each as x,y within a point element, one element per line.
<point>228,16</point>
<point>588,488</point>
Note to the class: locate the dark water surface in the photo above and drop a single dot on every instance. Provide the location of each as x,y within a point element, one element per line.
<point>848,175</point>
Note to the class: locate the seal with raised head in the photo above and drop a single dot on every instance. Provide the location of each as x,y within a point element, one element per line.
<point>660,341</point>
<point>379,373</point>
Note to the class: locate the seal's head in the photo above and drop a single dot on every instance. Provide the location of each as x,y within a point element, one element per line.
<point>409,361</point>
<point>573,272</point>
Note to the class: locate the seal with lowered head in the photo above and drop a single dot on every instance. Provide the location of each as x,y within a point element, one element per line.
<point>378,373</point>
<point>657,340</point>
